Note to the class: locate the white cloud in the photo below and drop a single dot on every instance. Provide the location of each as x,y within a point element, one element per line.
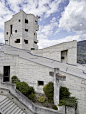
<point>47,30</point>
<point>74,16</point>
<point>46,42</point>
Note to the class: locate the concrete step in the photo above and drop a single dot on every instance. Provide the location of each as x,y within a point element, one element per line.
<point>9,107</point>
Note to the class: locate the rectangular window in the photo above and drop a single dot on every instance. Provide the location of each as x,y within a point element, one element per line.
<point>26,30</point>
<point>26,21</point>
<point>32,48</point>
<point>17,41</point>
<point>26,41</point>
<point>64,55</point>
<point>40,83</point>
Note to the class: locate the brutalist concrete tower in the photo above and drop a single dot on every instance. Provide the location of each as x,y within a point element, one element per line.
<point>20,31</point>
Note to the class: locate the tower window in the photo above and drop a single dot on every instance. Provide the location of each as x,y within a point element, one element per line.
<point>15,31</point>
<point>34,33</point>
<point>26,21</point>
<point>32,48</point>
<point>19,20</point>
<point>26,30</point>
<point>17,41</point>
<point>6,33</point>
<point>35,42</point>
<point>40,83</point>
<point>26,41</point>
<point>11,27</point>
<point>35,22</point>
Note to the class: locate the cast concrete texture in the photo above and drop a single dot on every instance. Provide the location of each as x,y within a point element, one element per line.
<point>20,101</point>
<point>31,69</point>
<point>18,31</point>
<point>33,66</point>
<point>68,50</point>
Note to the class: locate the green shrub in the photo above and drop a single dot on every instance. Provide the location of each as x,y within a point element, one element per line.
<point>44,88</point>
<point>64,93</point>
<point>22,87</point>
<point>71,101</point>
<point>14,79</point>
<point>41,99</point>
<point>31,90</point>
<point>32,97</point>
<point>49,90</point>
<point>61,103</point>
<point>55,107</point>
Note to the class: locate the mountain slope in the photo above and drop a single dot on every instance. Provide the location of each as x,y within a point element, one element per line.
<point>81,52</point>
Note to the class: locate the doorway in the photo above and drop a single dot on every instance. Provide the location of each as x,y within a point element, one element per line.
<point>6,76</point>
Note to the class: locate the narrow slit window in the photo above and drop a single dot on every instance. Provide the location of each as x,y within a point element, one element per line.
<point>34,33</point>
<point>17,41</point>
<point>26,21</point>
<point>26,41</point>
<point>11,27</point>
<point>19,20</point>
<point>40,83</point>
<point>26,30</point>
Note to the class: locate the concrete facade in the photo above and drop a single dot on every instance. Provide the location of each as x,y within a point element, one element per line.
<point>65,52</point>
<point>31,71</point>
<point>20,31</point>
<point>33,67</point>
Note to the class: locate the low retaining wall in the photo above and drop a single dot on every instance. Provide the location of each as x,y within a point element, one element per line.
<point>22,101</point>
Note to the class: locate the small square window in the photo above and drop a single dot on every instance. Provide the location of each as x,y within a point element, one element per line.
<point>26,41</point>
<point>26,30</point>
<point>26,21</point>
<point>15,31</point>
<point>40,83</point>
<point>6,33</point>
<point>62,57</point>
<point>19,20</point>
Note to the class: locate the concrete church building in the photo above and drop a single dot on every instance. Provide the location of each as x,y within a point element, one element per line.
<point>20,56</point>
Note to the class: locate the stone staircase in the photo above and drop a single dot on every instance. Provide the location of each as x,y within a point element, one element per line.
<point>7,106</point>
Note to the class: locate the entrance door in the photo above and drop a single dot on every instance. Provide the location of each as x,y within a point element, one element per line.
<point>6,76</point>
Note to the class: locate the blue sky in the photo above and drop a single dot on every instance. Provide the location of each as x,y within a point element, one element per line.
<point>60,20</point>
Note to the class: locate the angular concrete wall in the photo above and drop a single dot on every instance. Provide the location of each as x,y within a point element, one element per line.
<point>54,52</point>
<point>31,73</point>
<point>24,32</point>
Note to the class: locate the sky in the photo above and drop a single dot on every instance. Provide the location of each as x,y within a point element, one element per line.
<point>60,20</point>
